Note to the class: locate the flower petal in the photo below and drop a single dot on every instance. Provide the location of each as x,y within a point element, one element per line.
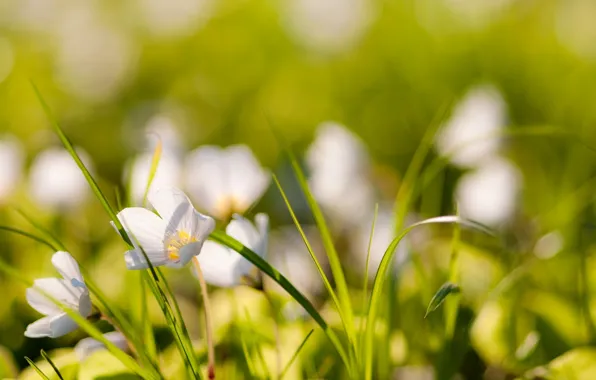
<point>207,177</point>
<point>61,290</point>
<point>135,260</point>
<point>145,229</point>
<point>247,179</point>
<point>52,326</point>
<point>87,346</point>
<point>245,232</point>
<point>67,266</point>
<point>219,265</point>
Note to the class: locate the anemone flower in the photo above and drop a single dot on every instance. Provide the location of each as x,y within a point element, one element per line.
<point>87,346</point>
<point>171,239</point>
<point>236,179</point>
<point>224,267</point>
<point>71,291</point>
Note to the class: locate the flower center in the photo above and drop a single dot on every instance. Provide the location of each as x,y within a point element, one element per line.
<point>226,206</point>
<point>176,242</point>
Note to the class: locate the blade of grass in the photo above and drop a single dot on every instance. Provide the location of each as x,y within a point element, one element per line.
<point>366,269</point>
<point>222,238</point>
<point>452,303</point>
<point>46,232</point>
<point>153,169</point>
<point>326,282</point>
<point>146,328</point>
<point>247,357</point>
<point>334,262</point>
<point>47,358</point>
<point>36,368</point>
<point>295,355</point>
<point>30,236</point>
<point>381,276</point>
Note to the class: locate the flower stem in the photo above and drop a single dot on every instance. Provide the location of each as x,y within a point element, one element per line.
<point>208,326</point>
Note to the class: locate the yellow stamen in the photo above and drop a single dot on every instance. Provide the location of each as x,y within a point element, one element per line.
<point>176,242</point>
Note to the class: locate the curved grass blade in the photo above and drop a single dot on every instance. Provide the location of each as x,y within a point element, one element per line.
<point>374,303</point>
<point>440,296</point>
<point>312,254</point>
<point>30,236</point>
<point>228,241</point>
<point>36,368</point>
<point>47,358</point>
<point>295,355</point>
<point>49,234</point>
<point>334,263</point>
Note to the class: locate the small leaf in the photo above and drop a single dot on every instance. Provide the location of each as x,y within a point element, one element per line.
<point>439,297</point>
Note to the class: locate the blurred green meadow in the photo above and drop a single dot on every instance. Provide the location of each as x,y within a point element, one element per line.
<point>417,108</point>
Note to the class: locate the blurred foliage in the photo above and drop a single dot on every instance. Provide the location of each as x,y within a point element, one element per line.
<point>227,71</point>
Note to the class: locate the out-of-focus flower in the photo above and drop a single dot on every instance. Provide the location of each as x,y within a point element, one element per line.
<point>175,18</point>
<point>338,164</point>
<point>224,267</point>
<point>225,181</point>
<point>6,58</point>
<point>167,174</point>
<point>471,135</point>
<point>328,26</point>
<point>470,14</point>
<point>87,346</point>
<point>94,60</point>
<point>171,239</point>
<point>384,234</point>
<point>489,194</point>
<point>162,129</point>
<point>70,291</point>
<point>11,164</point>
<point>290,256</point>
<point>575,26</point>
<point>55,180</point>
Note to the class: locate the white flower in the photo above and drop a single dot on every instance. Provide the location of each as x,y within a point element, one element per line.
<point>224,267</point>
<point>175,18</point>
<point>87,346</point>
<point>328,26</point>
<point>167,174</point>
<point>225,181</point>
<point>11,163</point>
<point>339,167</point>
<point>171,239</point>
<point>489,194</point>
<point>55,180</point>
<point>70,291</point>
<point>470,136</point>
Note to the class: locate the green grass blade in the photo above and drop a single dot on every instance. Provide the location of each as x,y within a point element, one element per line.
<point>452,304</point>
<point>69,147</point>
<point>46,232</point>
<point>146,329</point>
<point>366,269</point>
<point>334,262</point>
<point>382,272</point>
<point>153,169</point>
<point>312,254</point>
<point>30,236</point>
<point>36,368</point>
<point>47,358</point>
<point>247,357</point>
<point>228,241</point>
<point>440,296</point>
<point>295,355</point>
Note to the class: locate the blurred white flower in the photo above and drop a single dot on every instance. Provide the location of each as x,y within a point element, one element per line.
<point>549,245</point>
<point>471,135</point>
<point>70,291</point>
<point>6,58</point>
<point>167,174</point>
<point>162,129</point>
<point>225,181</point>
<point>328,26</point>
<point>224,267</point>
<point>94,59</point>
<point>489,193</point>
<point>11,165</point>
<point>290,256</point>
<point>175,18</point>
<point>87,346</point>
<point>55,180</point>
<point>471,14</point>
<point>383,235</point>
<point>171,239</point>
<point>338,164</point>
